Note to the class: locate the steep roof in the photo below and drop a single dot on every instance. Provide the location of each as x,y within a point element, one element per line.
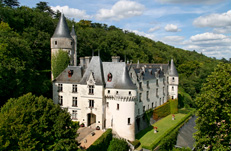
<point>73,31</point>
<point>75,78</point>
<point>62,30</point>
<point>120,77</point>
<point>96,67</point>
<point>172,69</point>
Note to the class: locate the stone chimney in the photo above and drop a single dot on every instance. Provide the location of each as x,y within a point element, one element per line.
<point>87,61</point>
<point>82,62</point>
<point>115,58</point>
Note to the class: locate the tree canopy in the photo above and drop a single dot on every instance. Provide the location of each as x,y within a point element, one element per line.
<point>214,111</point>
<point>36,123</point>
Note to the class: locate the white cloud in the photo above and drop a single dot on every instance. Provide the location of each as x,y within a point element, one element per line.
<point>222,30</point>
<point>173,39</point>
<point>154,29</point>
<point>210,44</point>
<point>172,28</point>
<point>72,12</point>
<point>214,20</point>
<point>120,10</point>
<point>190,1</point>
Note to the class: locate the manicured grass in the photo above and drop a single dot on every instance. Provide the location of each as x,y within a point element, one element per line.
<point>147,136</point>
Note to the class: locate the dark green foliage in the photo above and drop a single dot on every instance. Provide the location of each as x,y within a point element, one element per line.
<point>181,149</point>
<point>214,111</point>
<point>36,123</point>
<point>173,106</point>
<point>161,111</point>
<point>168,142</point>
<point>10,3</point>
<point>102,142</point>
<point>148,114</point>
<point>59,62</point>
<point>184,99</point>
<point>118,145</point>
<point>136,143</point>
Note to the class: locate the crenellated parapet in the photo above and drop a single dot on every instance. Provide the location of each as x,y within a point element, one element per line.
<point>121,98</point>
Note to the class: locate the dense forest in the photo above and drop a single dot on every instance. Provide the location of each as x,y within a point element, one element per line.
<point>25,54</point>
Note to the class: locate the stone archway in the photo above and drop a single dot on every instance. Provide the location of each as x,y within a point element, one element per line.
<point>91,119</point>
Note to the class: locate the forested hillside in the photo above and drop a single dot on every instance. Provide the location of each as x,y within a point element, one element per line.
<point>25,51</point>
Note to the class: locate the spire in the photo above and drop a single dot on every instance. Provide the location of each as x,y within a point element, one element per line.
<point>62,29</point>
<point>138,64</point>
<point>172,69</point>
<point>73,31</point>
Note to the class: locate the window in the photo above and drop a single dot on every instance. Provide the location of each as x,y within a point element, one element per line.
<point>129,121</point>
<point>147,84</point>
<point>172,97</point>
<point>117,92</point>
<point>56,42</point>
<point>108,91</point>
<point>152,104</point>
<point>70,73</point>
<point>164,81</point>
<point>172,88</point>
<point>71,43</point>
<point>60,100</point>
<point>148,107</point>
<point>140,97</point>
<point>60,87</point>
<point>74,88</point>
<point>160,101</point>
<point>138,111</point>
<point>130,93</point>
<point>74,102</point>
<point>91,103</point>
<point>163,91</point>
<point>118,106</point>
<point>173,79</point>
<point>143,108</point>
<point>157,82</point>
<point>109,77</point>
<point>140,85</point>
<point>147,95</point>
<point>74,114</point>
<point>157,92</point>
<point>107,104</point>
<point>91,89</point>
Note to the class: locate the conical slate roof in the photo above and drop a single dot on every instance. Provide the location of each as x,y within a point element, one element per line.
<point>62,30</point>
<point>73,31</point>
<point>172,69</point>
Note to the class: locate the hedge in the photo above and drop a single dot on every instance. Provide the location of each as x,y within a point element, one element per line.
<point>156,142</point>
<point>136,143</point>
<point>102,142</point>
<point>118,145</point>
<point>161,111</point>
<point>173,106</point>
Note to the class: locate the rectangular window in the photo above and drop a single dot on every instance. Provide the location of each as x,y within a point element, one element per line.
<point>163,91</point>
<point>74,88</point>
<point>91,103</point>
<point>117,92</point>
<point>74,114</point>
<point>129,121</point>
<point>56,42</point>
<point>129,93</point>
<point>172,88</point>
<point>147,95</point>
<point>157,92</point>
<point>140,85</point>
<point>74,102</point>
<point>173,79</point>
<point>107,104</point>
<point>118,106</point>
<point>143,108</point>
<point>60,100</point>
<point>147,84</point>
<point>152,104</point>
<point>140,97</point>
<point>91,89</point>
<point>108,91</point>
<point>163,81</point>
<point>157,84</point>
<point>148,107</point>
<point>60,87</point>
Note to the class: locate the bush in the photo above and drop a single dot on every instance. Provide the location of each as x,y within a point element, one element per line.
<point>102,142</point>
<point>173,106</point>
<point>118,145</point>
<point>136,143</point>
<point>161,111</point>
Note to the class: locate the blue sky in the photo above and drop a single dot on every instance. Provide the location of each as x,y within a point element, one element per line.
<point>201,25</point>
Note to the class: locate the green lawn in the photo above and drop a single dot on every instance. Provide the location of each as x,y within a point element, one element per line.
<point>147,136</point>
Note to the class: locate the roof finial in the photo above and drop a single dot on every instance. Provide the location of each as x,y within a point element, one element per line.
<point>138,64</point>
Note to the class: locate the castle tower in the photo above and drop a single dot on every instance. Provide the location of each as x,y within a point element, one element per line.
<point>173,79</point>
<point>62,39</point>
<point>74,36</point>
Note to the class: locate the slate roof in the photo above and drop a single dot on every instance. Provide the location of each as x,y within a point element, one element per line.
<point>73,31</point>
<point>172,69</point>
<point>96,67</point>
<point>75,78</point>
<point>120,77</point>
<point>62,30</point>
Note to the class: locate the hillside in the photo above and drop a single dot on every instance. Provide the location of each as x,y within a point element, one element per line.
<point>25,52</point>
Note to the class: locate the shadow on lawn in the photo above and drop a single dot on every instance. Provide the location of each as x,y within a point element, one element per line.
<point>143,132</point>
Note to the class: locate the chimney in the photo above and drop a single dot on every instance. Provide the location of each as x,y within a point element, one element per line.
<point>115,58</point>
<point>82,62</point>
<point>87,60</point>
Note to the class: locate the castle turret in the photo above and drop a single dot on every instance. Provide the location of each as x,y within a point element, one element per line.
<point>62,39</point>
<point>173,79</point>
<point>74,36</point>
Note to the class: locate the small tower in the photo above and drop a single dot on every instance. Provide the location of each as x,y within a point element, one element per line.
<point>173,79</point>
<point>74,36</point>
<point>62,39</point>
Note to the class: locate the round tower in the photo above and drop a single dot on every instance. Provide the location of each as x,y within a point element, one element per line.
<point>173,80</point>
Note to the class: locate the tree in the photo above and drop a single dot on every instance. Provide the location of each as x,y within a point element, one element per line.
<point>10,3</point>
<point>118,145</point>
<point>214,111</point>
<point>43,6</point>
<point>36,123</point>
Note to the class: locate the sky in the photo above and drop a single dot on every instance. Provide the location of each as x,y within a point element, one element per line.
<point>200,25</point>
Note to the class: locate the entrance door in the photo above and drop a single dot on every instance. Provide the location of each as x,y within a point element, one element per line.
<point>91,118</point>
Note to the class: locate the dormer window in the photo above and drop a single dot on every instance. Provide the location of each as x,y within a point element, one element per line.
<point>70,73</point>
<point>91,89</point>
<point>117,92</point>
<point>109,77</point>
<point>56,42</point>
<point>130,93</point>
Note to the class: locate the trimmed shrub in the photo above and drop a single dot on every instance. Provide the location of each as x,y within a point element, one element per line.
<point>148,114</point>
<point>118,145</point>
<point>169,141</point>
<point>102,142</point>
<point>173,106</point>
<point>161,111</point>
<point>136,143</point>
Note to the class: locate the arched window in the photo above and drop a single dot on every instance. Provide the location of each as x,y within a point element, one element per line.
<point>109,77</point>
